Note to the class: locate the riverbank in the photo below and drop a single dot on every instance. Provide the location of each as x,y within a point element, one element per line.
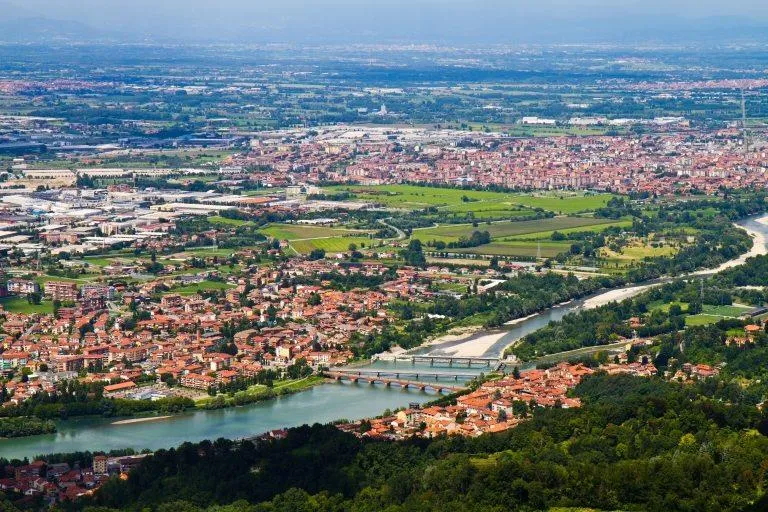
<point>259,393</point>
<point>480,343</point>
<point>759,248</point>
<point>26,426</point>
<point>318,404</point>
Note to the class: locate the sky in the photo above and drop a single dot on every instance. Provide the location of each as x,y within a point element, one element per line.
<point>460,21</point>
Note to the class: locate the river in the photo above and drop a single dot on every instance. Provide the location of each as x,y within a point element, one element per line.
<point>493,343</point>
<point>320,404</point>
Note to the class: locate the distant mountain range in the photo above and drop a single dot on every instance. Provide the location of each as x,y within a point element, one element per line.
<point>22,25</point>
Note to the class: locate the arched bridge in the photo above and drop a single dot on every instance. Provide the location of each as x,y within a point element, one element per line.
<point>372,378</point>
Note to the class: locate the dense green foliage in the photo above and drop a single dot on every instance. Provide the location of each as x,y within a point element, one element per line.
<point>75,398</point>
<point>19,427</point>
<point>635,444</point>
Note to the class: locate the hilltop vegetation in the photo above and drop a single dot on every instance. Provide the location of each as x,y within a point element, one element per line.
<point>636,443</point>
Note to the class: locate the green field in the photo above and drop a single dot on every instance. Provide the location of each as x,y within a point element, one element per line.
<point>298,232</point>
<point>21,305</point>
<point>701,319</point>
<point>728,311</point>
<point>518,248</point>
<point>223,221</point>
<point>637,252</point>
<point>484,204</point>
<point>203,286</point>
<point>564,203</point>
<point>498,230</point>
<point>546,235</point>
<point>332,245</point>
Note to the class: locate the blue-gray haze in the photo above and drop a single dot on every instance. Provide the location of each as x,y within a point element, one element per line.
<point>367,21</point>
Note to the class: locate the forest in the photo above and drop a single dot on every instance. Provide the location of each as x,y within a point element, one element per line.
<point>635,444</point>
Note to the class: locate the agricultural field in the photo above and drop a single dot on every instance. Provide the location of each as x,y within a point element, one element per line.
<point>484,204</point>
<point>635,252</point>
<point>501,230</point>
<point>336,244</point>
<point>564,203</point>
<point>547,235</point>
<point>223,221</point>
<point>521,249</point>
<point>293,232</point>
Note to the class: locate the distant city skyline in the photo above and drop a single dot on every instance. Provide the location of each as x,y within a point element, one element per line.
<point>332,21</point>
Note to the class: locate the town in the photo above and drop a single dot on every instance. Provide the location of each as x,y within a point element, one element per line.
<point>338,256</point>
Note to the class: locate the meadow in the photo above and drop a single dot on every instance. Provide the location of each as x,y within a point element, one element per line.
<point>191,289</point>
<point>483,203</point>
<point>292,232</point>
<point>518,248</point>
<point>21,305</point>
<point>337,244</point>
<point>500,230</point>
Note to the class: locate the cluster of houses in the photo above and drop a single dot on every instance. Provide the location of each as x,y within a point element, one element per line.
<point>662,163</point>
<point>58,482</point>
<point>181,338</point>
<point>495,406</point>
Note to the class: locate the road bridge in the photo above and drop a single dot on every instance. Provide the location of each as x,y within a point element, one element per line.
<point>406,373</point>
<point>403,383</point>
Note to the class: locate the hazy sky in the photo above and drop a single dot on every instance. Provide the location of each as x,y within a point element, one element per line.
<point>341,20</point>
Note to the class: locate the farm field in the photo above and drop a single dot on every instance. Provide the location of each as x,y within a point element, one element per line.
<point>332,244</point>
<point>485,204</point>
<point>498,230</point>
<point>564,203</point>
<point>223,221</point>
<point>637,252</point>
<point>292,232</point>
<point>546,235</point>
<point>203,286</point>
<point>517,248</point>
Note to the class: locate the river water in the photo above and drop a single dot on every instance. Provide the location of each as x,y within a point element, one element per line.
<point>320,404</point>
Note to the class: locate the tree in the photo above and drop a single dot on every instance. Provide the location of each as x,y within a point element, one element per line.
<point>316,254</point>
<point>413,254</point>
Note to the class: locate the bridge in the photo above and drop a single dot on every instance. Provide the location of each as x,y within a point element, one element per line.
<point>403,383</point>
<point>409,373</point>
<point>449,361</point>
